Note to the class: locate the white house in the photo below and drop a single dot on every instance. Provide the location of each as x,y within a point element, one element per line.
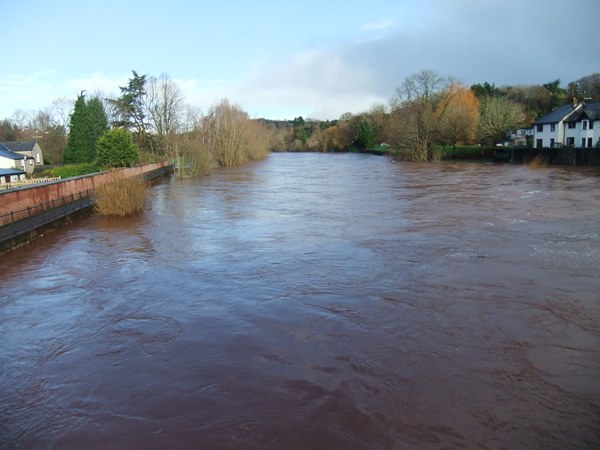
<point>30,149</point>
<point>574,125</point>
<point>12,166</point>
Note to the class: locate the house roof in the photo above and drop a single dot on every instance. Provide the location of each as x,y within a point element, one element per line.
<point>6,153</point>
<point>5,172</point>
<point>592,110</point>
<point>557,115</point>
<point>20,146</point>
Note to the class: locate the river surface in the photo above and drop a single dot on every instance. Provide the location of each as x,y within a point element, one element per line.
<point>314,301</point>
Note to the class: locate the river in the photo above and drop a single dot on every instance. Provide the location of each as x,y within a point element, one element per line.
<point>314,301</point>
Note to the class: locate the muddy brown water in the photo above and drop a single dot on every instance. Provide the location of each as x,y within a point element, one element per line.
<point>314,301</point>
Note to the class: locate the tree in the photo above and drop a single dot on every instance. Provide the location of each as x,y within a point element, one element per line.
<point>97,122</point>
<point>365,135</point>
<point>87,125</point>
<point>486,90</point>
<point>497,116</point>
<point>422,86</point>
<point>131,108</point>
<point>165,109</point>
<point>460,118</point>
<point>413,123</point>
<point>558,96</point>
<point>78,148</point>
<point>116,148</point>
<point>412,131</point>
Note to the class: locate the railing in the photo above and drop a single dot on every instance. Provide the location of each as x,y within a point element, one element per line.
<point>16,184</point>
<point>19,222</point>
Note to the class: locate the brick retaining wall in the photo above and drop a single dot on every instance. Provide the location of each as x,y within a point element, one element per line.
<point>29,196</point>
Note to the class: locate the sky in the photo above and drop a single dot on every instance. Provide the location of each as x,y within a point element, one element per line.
<point>280,60</point>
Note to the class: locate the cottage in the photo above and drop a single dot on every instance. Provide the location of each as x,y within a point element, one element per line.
<point>573,125</point>
<point>12,166</point>
<point>31,150</point>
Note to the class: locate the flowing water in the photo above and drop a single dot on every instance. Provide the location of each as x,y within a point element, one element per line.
<point>314,301</point>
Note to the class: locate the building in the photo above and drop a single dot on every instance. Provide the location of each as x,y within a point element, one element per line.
<point>571,125</point>
<point>12,166</point>
<point>30,149</point>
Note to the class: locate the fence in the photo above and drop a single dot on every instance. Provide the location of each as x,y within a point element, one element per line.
<point>31,182</point>
<point>24,220</point>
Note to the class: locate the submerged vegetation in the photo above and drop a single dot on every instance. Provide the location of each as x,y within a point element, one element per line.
<point>121,196</point>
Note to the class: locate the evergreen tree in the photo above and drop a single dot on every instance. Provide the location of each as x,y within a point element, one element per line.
<point>131,107</point>
<point>77,141</point>
<point>88,123</point>
<point>116,148</point>
<point>365,135</point>
<point>97,123</point>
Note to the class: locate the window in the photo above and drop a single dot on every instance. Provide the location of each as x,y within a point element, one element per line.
<point>591,124</point>
<point>571,124</point>
<point>538,143</point>
<point>551,143</point>
<point>37,158</point>
<point>552,127</point>
<point>31,162</point>
<point>583,142</point>
<point>590,142</point>
<point>571,141</point>
<point>584,125</point>
<point>539,128</point>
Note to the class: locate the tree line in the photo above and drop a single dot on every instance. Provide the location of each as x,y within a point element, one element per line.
<point>428,110</point>
<point>150,120</point>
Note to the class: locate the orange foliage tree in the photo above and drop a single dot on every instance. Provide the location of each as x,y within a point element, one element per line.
<point>458,116</point>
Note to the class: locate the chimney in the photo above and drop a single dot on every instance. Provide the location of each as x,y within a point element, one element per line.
<point>574,102</point>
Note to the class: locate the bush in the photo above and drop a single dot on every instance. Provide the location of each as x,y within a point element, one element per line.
<point>537,161</point>
<point>72,170</point>
<point>116,149</point>
<point>121,196</point>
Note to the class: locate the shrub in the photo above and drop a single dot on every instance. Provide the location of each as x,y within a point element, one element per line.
<point>536,162</point>
<point>116,149</point>
<point>73,170</point>
<point>121,196</point>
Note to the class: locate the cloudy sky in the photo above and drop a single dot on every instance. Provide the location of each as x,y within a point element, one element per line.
<point>280,59</point>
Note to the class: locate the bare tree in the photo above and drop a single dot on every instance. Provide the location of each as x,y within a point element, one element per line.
<point>165,109</point>
<point>497,116</point>
<point>421,86</point>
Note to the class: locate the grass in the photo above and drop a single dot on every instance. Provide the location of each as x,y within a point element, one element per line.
<point>121,196</point>
<point>536,162</point>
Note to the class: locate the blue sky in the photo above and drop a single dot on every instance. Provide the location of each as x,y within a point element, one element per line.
<point>284,59</point>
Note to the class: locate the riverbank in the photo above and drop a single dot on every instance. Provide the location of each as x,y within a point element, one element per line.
<point>30,212</point>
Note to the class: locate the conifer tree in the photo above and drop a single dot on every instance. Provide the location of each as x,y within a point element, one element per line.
<point>97,123</point>
<point>88,124</point>
<point>365,135</point>
<point>77,141</point>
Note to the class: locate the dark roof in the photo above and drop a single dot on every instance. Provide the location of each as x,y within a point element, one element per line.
<point>6,153</point>
<point>20,146</point>
<point>592,110</point>
<point>5,172</point>
<point>557,115</point>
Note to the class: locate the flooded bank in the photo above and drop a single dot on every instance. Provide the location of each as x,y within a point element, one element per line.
<point>310,300</point>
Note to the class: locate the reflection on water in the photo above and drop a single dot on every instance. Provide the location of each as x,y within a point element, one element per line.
<point>308,300</point>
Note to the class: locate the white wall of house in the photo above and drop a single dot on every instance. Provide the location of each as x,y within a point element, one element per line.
<point>551,134</point>
<point>9,163</point>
